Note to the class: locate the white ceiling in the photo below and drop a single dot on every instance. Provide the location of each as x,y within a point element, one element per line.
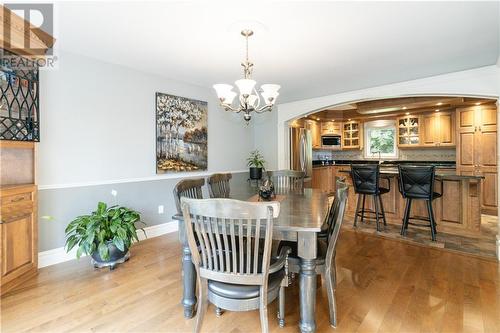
<point>311,49</point>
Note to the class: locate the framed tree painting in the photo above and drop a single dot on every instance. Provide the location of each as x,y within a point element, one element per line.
<point>181,134</point>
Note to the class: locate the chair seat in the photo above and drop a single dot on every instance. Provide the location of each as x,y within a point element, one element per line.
<point>238,291</point>
<point>322,247</point>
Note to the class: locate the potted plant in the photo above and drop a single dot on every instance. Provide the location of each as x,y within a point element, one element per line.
<point>256,163</point>
<point>106,234</point>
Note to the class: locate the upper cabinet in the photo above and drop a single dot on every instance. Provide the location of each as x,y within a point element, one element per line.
<point>438,129</point>
<point>19,91</point>
<point>352,135</point>
<point>409,131</point>
<point>331,127</point>
<point>315,128</point>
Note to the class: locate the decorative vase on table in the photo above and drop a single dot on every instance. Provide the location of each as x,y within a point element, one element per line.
<point>266,190</point>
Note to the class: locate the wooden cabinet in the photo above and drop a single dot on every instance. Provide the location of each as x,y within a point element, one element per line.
<point>409,131</point>
<point>477,150</point>
<point>18,235</point>
<point>352,135</point>
<point>331,127</point>
<point>438,129</point>
<point>315,128</point>
<point>323,178</point>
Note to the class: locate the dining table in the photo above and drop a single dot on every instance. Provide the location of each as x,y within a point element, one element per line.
<point>302,215</point>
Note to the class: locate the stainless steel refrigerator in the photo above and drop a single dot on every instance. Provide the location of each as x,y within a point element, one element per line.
<point>301,152</point>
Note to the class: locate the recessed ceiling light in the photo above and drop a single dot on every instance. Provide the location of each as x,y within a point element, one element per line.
<point>478,103</point>
<point>440,103</point>
<point>407,113</point>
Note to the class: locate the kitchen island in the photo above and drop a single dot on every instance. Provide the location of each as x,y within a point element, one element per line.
<point>458,211</point>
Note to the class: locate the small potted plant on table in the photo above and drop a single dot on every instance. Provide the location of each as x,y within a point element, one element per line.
<point>256,163</point>
<point>106,235</point>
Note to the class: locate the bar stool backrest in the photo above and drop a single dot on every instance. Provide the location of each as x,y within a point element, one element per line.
<point>365,178</point>
<point>416,182</point>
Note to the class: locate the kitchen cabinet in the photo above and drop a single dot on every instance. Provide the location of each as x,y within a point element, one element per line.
<point>315,128</point>
<point>18,232</point>
<point>477,150</point>
<point>438,129</point>
<point>322,178</point>
<point>409,131</point>
<point>331,127</point>
<point>352,135</point>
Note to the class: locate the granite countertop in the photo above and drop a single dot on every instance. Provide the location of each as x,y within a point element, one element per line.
<point>388,163</point>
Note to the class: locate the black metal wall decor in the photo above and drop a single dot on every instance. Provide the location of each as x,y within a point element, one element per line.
<point>19,102</point>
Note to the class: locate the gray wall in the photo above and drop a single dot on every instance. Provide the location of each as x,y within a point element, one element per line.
<point>98,134</point>
<point>66,203</point>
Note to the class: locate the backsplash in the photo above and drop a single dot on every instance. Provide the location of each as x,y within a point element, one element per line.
<point>404,154</point>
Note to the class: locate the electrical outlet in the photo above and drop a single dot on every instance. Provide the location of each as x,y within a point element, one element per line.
<point>114,193</point>
<point>161,209</point>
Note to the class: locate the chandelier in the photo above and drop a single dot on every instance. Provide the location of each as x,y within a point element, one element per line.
<point>249,99</point>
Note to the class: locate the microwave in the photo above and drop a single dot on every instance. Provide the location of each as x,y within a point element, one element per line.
<point>331,141</point>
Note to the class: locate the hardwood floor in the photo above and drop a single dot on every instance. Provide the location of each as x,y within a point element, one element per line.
<point>383,286</point>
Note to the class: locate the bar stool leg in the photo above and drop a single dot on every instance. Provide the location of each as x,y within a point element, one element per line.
<point>357,211</point>
<point>375,203</point>
<point>363,209</point>
<point>382,210</point>
<point>431,219</point>
<point>406,218</point>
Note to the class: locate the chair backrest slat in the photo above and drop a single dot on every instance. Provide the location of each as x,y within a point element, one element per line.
<point>232,236</point>
<point>189,188</point>
<point>218,185</point>
<point>287,180</point>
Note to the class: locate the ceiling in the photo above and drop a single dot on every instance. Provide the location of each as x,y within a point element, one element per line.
<point>312,49</point>
<point>383,108</point>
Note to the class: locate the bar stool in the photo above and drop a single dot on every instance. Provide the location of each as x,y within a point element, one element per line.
<point>365,179</point>
<point>417,183</point>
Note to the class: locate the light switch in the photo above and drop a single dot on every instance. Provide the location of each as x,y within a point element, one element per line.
<point>114,193</point>
<point>161,209</point>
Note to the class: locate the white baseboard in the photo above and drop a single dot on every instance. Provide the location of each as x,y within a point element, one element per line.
<point>58,255</point>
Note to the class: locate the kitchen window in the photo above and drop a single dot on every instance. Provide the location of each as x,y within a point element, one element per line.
<point>380,138</point>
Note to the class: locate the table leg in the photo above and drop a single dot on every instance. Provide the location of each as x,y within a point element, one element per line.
<point>307,284</point>
<point>189,282</point>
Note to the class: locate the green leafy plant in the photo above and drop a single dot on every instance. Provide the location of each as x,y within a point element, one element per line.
<point>256,159</point>
<point>92,232</point>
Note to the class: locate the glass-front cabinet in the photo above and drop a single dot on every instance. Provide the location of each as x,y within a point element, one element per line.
<point>409,131</point>
<point>352,135</point>
<point>19,106</point>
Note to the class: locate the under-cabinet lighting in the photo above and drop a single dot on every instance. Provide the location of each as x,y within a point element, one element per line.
<point>478,103</point>
<point>407,113</point>
<point>440,103</point>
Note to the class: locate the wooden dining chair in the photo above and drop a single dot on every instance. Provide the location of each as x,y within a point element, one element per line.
<point>287,180</point>
<point>189,188</point>
<point>218,185</point>
<point>325,261</point>
<point>233,256</point>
